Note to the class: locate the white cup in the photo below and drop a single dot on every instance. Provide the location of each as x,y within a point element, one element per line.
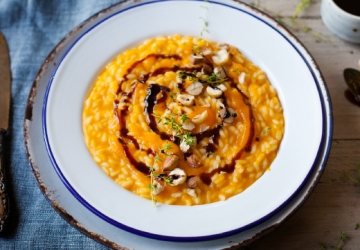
<point>340,22</point>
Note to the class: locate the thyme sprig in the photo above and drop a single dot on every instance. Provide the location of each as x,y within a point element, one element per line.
<point>152,186</point>
<point>184,136</point>
<point>236,71</point>
<point>301,7</point>
<point>156,176</point>
<point>196,49</point>
<point>342,239</point>
<point>212,80</point>
<point>204,23</point>
<point>165,148</point>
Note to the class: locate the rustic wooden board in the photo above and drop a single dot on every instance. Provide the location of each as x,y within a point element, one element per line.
<point>332,208</point>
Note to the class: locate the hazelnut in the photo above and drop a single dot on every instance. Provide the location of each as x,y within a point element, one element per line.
<point>195,88</point>
<point>207,69</point>
<point>187,100</point>
<point>196,60</point>
<point>191,181</point>
<point>224,46</point>
<point>214,92</point>
<point>171,162</point>
<point>200,118</point>
<point>241,78</point>
<point>157,188</point>
<point>178,176</point>
<point>221,57</point>
<point>193,161</point>
<point>222,87</point>
<point>220,72</point>
<point>191,192</point>
<point>188,125</point>
<point>206,51</point>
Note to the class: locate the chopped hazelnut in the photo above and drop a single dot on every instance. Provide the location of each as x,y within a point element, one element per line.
<point>224,46</point>
<point>220,72</point>
<point>188,125</point>
<point>193,161</point>
<point>196,60</point>
<point>178,176</point>
<point>206,51</point>
<point>171,162</point>
<point>195,88</point>
<point>157,188</point>
<point>185,99</point>
<point>200,118</point>
<point>191,181</point>
<point>214,92</point>
<point>220,57</point>
<point>207,69</point>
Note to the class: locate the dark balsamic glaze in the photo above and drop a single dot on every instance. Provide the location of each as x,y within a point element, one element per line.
<point>228,168</point>
<point>151,100</point>
<point>124,133</point>
<point>210,149</point>
<point>157,56</point>
<point>350,97</point>
<point>180,86</point>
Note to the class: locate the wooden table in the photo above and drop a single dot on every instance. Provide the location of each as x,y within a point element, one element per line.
<point>334,206</point>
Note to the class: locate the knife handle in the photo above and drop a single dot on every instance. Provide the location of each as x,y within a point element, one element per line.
<point>4,202</point>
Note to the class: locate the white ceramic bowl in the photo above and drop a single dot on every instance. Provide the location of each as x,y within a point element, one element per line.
<point>339,22</point>
<point>289,67</point>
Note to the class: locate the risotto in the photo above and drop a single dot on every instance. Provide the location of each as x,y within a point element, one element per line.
<point>182,120</point>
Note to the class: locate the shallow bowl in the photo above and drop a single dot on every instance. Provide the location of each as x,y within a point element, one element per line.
<point>289,67</point>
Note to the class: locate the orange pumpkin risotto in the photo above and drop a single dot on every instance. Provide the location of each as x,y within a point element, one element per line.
<point>183,121</point>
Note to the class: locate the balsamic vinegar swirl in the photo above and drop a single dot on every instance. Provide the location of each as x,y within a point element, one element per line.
<point>151,100</point>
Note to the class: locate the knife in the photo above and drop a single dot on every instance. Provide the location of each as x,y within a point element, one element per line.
<point>5,88</point>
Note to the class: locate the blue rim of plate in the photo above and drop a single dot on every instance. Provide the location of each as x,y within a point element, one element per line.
<point>321,156</point>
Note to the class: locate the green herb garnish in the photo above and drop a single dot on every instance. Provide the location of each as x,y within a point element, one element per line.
<point>177,128</point>
<point>184,118</point>
<point>343,237</point>
<point>157,157</point>
<point>187,138</point>
<point>164,149</point>
<point>196,49</point>
<point>237,71</point>
<point>302,6</point>
<point>266,130</point>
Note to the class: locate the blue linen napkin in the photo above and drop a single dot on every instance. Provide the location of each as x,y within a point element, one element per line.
<point>32,29</point>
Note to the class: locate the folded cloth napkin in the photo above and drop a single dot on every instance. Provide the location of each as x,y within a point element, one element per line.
<point>32,29</point>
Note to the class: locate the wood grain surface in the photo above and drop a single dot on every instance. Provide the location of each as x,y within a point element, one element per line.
<point>334,206</point>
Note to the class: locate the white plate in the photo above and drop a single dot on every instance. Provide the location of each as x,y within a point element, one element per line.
<point>291,71</point>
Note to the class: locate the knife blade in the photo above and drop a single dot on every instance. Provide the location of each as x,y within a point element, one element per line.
<point>5,88</point>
